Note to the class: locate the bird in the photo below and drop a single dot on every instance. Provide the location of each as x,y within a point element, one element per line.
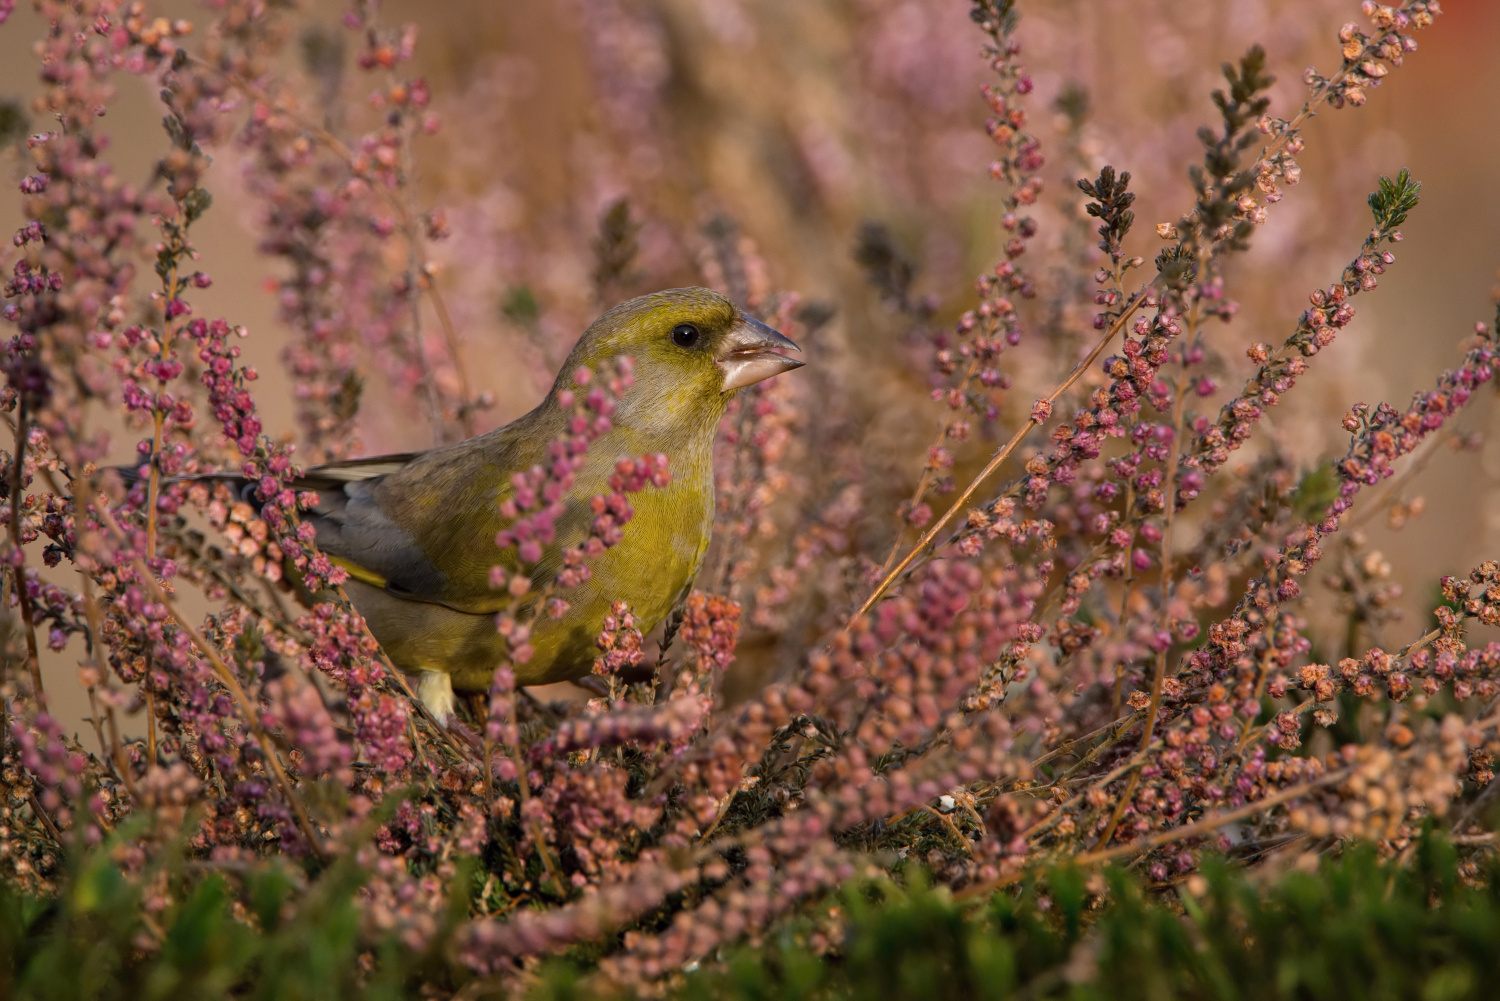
<point>417,532</point>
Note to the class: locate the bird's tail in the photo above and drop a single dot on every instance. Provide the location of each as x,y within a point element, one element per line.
<point>330,476</point>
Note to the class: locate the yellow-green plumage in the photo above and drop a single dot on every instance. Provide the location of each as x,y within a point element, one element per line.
<point>417,532</point>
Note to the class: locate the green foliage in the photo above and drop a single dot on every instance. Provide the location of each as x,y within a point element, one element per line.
<point>999,13</point>
<point>1394,199</point>
<point>1176,265</point>
<point>519,305</point>
<point>14,122</point>
<point>1358,929</point>
<point>615,248</point>
<point>345,402</point>
<point>885,264</point>
<point>1073,103</point>
<point>257,932</point>
<point>322,51</point>
<point>195,203</point>
<point>1318,488</point>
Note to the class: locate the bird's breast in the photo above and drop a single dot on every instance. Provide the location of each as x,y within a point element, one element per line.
<point>660,551</point>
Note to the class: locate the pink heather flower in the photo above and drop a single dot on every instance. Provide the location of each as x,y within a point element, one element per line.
<point>710,626</point>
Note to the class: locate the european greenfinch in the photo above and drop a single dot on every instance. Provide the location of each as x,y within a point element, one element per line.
<point>417,533</point>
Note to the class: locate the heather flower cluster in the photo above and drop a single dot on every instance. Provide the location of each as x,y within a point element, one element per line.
<point>1072,624</point>
<point>966,360</point>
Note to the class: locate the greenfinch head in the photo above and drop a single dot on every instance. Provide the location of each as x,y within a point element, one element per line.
<point>692,350</point>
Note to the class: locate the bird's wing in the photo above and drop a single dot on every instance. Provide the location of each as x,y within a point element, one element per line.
<point>354,531</point>
<point>353,470</point>
<point>421,526</point>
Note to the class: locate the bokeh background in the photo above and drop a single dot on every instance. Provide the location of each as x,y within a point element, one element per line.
<point>800,121</point>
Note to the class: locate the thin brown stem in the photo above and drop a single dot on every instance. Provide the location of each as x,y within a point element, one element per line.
<point>82,501</point>
<point>1115,735</point>
<point>18,571</point>
<point>158,415</point>
<point>122,762</point>
<point>177,238</point>
<point>723,810</point>
<point>153,483</point>
<point>1158,676</point>
<point>451,341</point>
<point>41,815</point>
<point>1047,823</point>
<point>1169,502</point>
<point>537,834</point>
<point>1067,748</point>
<point>996,461</point>
<point>1122,801</point>
<point>1210,823</point>
<point>150,690</point>
<point>431,397</point>
<point>1118,686</point>
<point>428,384</point>
<point>98,726</point>
<point>268,749</point>
<point>925,480</point>
<point>489,775</point>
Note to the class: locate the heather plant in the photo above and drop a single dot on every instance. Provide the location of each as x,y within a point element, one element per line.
<point>1069,625</point>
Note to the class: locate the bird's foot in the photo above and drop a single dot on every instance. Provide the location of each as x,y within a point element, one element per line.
<point>435,689</point>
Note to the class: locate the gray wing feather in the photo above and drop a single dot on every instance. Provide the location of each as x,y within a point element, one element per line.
<point>351,525</point>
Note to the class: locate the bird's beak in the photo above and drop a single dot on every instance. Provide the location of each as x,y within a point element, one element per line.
<point>751,352</point>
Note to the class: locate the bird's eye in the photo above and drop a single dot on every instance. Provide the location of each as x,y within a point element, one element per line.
<point>685,335</point>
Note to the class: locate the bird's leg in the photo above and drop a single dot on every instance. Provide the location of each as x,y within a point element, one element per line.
<point>591,684</point>
<point>435,689</point>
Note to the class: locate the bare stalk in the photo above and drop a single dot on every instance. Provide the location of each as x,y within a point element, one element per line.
<point>996,461</point>
<point>23,598</point>
<point>926,478</point>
